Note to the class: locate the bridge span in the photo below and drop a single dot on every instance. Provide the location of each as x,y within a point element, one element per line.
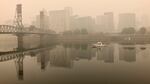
<point>9,29</point>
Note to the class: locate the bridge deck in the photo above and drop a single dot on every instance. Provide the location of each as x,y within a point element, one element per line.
<point>8,29</point>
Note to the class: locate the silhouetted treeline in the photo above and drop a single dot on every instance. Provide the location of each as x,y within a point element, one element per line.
<point>132,30</point>
<point>76,31</point>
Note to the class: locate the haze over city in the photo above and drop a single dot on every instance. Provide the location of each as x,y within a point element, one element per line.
<point>80,7</point>
<point>74,42</point>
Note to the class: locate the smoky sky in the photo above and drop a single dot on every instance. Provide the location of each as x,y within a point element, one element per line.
<point>81,7</point>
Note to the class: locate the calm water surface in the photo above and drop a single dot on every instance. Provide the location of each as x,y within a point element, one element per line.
<point>77,64</point>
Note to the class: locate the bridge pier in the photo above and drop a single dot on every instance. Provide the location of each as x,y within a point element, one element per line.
<point>42,40</point>
<point>20,41</point>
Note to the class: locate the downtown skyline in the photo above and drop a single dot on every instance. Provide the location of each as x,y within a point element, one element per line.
<point>81,8</point>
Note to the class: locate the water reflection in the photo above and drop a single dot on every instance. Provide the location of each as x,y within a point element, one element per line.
<point>19,66</point>
<point>63,56</point>
<point>127,53</point>
<point>106,54</point>
<point>18,56</point>
<point>43,58</point>
<point>60,57</point>
<point>66,56</point>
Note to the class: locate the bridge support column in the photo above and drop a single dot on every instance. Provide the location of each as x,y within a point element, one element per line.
<point>20,41</point>
<point>42,40</point>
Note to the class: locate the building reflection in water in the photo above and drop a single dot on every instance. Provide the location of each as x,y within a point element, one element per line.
<point>59,57</point>
<point>106,54</point>
<point>127,53</point>
<point>81,51</point>
<point>43,59</point>
<point>64,55</point>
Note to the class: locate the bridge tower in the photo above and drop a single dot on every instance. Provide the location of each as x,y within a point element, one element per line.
<point>18,16</point>
<point>18,23</point>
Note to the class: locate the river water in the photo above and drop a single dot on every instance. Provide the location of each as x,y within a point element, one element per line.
<point>78,64</point>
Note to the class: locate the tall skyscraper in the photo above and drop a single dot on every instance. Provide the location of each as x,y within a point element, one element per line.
<point>126,20</point>
<point>105,22</point>
<point>42,20</point>
<point>59,20</point>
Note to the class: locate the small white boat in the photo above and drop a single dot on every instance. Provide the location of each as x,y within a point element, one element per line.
<point>98,45</point>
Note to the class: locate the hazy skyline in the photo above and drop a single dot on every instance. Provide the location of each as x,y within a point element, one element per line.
<point>80,7</point>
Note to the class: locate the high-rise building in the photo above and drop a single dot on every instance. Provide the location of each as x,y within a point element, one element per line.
<point>37,21</point>
<point>42,20</point>
<point>59,20</point>
<point>126,20</point>
<point>145,22</point>
<point>79,23</point>
<point>105,22</point>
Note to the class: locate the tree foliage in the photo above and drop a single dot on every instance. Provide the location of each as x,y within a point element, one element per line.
<point>75,32</point>
<point>84,31</point>
<point>67,32</point>
<point>142,30</point>
<point>129,30</point>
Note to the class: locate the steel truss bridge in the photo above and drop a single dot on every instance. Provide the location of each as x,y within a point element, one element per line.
<point>9,29</point>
